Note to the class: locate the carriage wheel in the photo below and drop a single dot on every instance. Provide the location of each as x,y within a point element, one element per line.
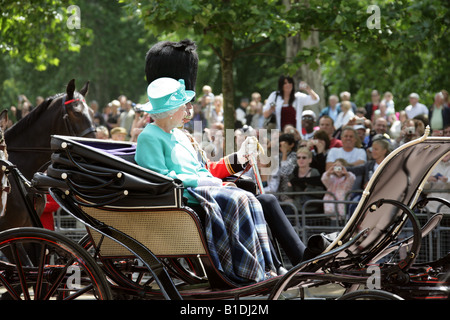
<point>39,264</point>
<point>126,272</point>
<point>369,295</point>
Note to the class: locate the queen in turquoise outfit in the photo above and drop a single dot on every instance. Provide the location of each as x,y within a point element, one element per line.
<point>164,148</point>
<point>171,154</point>
<point>235,227</point>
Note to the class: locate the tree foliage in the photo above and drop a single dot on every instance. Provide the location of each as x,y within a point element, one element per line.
<point>37,31</point>
<point>112,60</point>
<point>403,52</point>
<point>241,45</point>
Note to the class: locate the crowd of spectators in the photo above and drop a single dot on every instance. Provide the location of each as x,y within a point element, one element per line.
<point>337,151</point>
<point>325,152</point>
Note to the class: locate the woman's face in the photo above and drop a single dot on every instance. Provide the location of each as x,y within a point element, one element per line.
<point>287,86</point>
<point>378,152</point>
<point>303,160</point>
<point>179,116</point>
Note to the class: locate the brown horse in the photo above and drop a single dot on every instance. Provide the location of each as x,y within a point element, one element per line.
<point>28,144</point>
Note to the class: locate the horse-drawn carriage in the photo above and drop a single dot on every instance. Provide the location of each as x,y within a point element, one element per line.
<point>143,242</point>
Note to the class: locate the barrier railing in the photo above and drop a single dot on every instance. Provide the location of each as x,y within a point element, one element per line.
<point>435,245</point>
<point>305,223</point>
<point>68,225</point>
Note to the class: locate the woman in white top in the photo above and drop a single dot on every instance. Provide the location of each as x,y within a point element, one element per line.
<point>287,105</point>
<point>344,116</point>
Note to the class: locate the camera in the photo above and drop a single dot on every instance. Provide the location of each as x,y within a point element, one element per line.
<point>359,120</point>
<point>138,108</point>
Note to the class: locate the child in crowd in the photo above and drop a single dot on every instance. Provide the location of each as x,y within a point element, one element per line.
<point>339,182</point>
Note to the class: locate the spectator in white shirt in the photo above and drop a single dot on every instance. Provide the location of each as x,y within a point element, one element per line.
<point>415,108</point>
<point>350,151</point>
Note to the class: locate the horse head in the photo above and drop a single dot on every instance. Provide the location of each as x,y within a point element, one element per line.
<point>78,116</point>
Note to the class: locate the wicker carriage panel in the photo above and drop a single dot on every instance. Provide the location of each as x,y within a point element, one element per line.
<point>165,233</point>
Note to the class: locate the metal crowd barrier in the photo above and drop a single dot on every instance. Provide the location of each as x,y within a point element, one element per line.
<point>68,225</point>
<point>306,224</point>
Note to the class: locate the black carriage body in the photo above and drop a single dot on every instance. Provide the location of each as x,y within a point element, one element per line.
<point>105,171</point>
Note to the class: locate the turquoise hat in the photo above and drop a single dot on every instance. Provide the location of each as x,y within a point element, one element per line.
<point>165,94</point>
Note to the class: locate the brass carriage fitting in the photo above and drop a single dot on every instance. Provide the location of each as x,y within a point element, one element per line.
<point>64,145</point>
<point>119,175</point>
<point>64,176</point>
<point>125,192</point>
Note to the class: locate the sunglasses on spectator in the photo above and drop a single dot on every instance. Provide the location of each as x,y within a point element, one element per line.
<point>303,157</point>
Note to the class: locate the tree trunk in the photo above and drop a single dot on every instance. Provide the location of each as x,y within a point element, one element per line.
<point>305,73</point>
<point>228,92</point>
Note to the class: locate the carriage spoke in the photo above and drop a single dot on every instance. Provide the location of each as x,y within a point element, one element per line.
<point>20,271</point>
<point>40,276</point>
<point>9,288</point>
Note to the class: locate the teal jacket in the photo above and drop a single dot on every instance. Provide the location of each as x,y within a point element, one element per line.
<point>170,154</point>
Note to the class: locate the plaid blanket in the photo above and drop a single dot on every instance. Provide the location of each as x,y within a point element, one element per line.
<point>236,233</point>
